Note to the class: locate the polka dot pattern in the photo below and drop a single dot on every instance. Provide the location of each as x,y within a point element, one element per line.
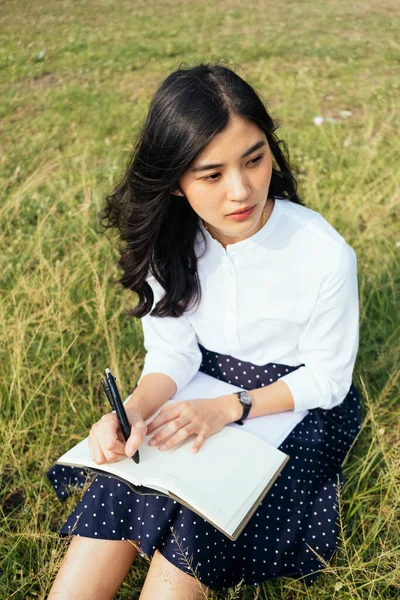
<point>297,516</point>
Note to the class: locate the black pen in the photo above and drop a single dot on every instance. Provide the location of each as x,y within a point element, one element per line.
<point>114,398</point>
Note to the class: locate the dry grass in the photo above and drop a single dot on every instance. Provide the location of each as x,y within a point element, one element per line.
<point>68,121</point>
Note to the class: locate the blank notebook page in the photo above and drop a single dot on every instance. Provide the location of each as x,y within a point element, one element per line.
<point>218,479</point>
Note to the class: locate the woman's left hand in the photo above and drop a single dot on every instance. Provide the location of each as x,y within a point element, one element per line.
<point>202,417</point>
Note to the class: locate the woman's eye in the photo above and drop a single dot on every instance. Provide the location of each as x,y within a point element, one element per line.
<point>214,176</point>
<point>253,161</point>
<point>211,177</point>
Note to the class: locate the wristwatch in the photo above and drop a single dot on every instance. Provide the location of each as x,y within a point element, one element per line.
<point>245,400</point>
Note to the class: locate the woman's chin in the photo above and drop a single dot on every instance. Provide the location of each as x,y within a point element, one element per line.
<point>235,232</point>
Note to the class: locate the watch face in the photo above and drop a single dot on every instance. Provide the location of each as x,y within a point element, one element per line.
<point>245,397</point>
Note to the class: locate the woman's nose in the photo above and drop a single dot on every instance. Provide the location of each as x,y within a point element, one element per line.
<point>238,188</point>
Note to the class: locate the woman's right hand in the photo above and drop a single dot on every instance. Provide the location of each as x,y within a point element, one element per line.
<point>106,441</point>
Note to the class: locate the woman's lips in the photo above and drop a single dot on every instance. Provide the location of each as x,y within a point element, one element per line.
<point>242,215</point>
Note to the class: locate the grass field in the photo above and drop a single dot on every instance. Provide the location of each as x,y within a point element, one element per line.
<point>76,80</point>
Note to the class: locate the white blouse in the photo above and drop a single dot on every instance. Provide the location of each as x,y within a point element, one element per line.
<point>286,295</point>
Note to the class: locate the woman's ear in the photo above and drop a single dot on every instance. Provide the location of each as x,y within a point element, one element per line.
<point>177,192</point>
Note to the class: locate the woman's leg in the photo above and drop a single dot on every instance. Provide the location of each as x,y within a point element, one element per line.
<point>166,581</point>
<point>93,569</point>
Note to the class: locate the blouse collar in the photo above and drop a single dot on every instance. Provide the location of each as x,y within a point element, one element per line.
<point>251,242</point>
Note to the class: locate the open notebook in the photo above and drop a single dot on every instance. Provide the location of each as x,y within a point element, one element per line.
<point>225,481</point>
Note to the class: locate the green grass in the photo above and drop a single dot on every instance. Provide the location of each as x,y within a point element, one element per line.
<point>68,120</point>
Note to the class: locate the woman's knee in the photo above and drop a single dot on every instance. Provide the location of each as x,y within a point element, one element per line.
<point>165,580</point>
<point>93,568</point>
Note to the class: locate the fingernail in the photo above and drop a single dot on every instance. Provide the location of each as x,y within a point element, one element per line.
<point>163,447</point>
<point>152,442</point>
<point>129,450</point>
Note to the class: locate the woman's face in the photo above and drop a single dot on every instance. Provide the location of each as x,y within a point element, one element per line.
<point>231,173</point>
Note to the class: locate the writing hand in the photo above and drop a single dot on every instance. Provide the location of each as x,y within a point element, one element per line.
<point>106,441</point>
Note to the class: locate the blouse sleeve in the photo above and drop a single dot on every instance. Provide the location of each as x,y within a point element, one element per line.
<point>170,343</point>
<point>329,343</point>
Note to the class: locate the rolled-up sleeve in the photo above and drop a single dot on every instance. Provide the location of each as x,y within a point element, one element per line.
<point>170,343</point>
<point>328,345</point>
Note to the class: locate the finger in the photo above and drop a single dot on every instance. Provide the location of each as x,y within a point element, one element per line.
<point>138,432</point>
<point>170,429</point>
<point>113,445</point>
<point>107,434</point>
<point>142,427</point>
<point>100,455</point>
<point>177,438</point>
<point>161,419</point>
<point>164,416</point>
<point>95,451</point>
<point>120,436</point>
<point>201,438</point>
<point>113,456</point>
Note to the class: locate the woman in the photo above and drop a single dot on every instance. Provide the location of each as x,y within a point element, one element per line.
<point>237,278</point>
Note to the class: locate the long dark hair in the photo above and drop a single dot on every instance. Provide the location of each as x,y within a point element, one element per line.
<point>158,231</point>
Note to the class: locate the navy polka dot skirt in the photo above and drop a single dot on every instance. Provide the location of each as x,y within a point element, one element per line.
<point>297,516</point>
